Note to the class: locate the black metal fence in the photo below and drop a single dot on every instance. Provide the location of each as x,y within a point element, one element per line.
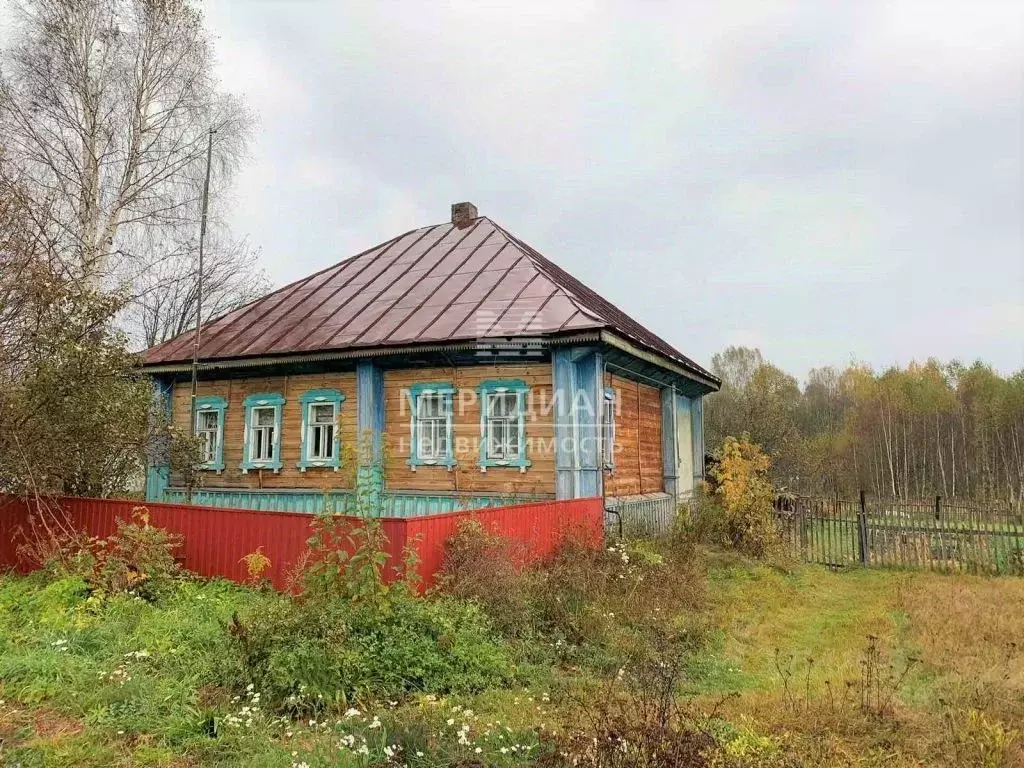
<point>932,534</point>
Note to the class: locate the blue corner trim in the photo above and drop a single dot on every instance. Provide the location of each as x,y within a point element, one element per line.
<point>213,403</point>
<point>272,399</point>
<point>520,388</point>
<point>320,397</point>
<point>425,388</point>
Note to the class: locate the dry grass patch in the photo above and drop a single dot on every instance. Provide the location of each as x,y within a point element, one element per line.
<point>948,666</point>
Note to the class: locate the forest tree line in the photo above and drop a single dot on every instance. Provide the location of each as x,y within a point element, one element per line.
<point>929,429</point>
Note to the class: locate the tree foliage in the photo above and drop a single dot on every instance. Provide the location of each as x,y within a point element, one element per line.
<point>926,429</point>
<point>72,412</point>
<point>745,493</point>
<point>106,107</point>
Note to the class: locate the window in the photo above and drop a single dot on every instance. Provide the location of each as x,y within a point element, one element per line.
<point>263,425</point>
<point>262,440</point>
<point>502,424</point>
<point>321,438</point>
<point>210,431</point>
<point>608,429</point>
<point>431,425</point>
<point>432,416</point>
<point>321,446</point>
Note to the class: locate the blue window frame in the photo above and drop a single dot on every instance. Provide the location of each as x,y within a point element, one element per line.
<point>210,431</point>
<point>261,442</point>
<point>431,425</point>
<point>320,438</point>
<point>503,423</point>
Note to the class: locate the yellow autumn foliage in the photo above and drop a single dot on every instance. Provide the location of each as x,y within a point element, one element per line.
<point>745,494</point>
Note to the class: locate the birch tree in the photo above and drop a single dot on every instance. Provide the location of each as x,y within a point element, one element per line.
<point>105,107</point>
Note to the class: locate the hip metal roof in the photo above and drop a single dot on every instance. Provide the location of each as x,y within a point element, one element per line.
<point>430,285</point>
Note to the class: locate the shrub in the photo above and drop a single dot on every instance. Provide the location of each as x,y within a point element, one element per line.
<point>348,633</point>
<point>590,606</point>
<point>699,520</point>
<point>637,720</point>
<point>256,566</point>
<point>746,495</point>
<point>487,568</point>
<point>302,654</point>
<point>346,558</point>
<point>139,558</point>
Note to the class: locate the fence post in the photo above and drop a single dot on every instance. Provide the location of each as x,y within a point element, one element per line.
<point>862,530</point>
<point>938,505</point>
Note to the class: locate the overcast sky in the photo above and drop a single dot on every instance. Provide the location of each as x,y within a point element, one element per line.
<point>826,181</point>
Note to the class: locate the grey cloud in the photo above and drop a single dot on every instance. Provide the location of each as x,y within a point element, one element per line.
<point>836,180</point>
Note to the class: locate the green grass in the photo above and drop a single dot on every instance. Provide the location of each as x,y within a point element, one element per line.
<point>123,682</point>
<point>809,613</point>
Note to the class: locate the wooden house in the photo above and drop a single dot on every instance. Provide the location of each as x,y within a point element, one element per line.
<point>473,370</point>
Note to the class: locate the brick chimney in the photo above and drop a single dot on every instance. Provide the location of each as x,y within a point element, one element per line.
<point>463,215</point>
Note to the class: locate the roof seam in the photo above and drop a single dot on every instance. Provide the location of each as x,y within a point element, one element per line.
<point>294,284</point>
<point>455,298</point>
<point>344,285</point>
<point>427,274</point>
<point>496,284</point>
<point>380,293</point>
<point>530,253</point>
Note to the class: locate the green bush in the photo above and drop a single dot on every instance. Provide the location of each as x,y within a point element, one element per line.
<point>584,606</point>
<point>301,654</point>
<point>138,559</point>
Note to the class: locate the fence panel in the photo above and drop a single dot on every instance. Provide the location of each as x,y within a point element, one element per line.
<point>648,515</point>
<point>905,534</point>
<point>216,539</point>
<point>533,526</point>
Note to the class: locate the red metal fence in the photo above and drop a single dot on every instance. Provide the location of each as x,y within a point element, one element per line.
<point>216,539</point>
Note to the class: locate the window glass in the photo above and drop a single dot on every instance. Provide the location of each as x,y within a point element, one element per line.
<point>321,432</point>
<point>323,414</point>
<point>502,426</point>
<point>207,430</point>
<point>432,426</point>
<point>262,444</point>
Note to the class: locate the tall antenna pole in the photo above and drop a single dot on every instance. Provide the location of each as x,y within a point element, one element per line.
<point>199,302</point>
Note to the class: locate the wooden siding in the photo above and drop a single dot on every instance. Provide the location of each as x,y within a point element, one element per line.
<point>467,477</point>
<point>638,458</point>
<point>291,388</point>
